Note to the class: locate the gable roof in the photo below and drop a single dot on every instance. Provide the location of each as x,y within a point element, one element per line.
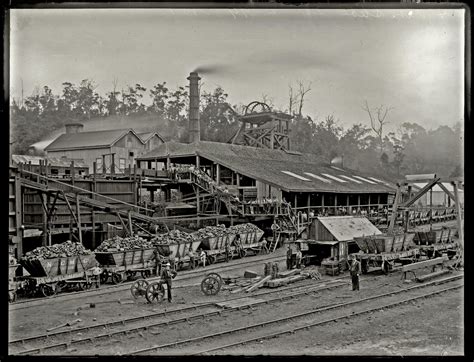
<point>92,139</point>
<point>348,227</point>
<point>145,136</point>
<point>300,172</point>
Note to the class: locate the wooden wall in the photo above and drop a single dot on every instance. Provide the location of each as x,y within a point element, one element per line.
<point>123,190</point>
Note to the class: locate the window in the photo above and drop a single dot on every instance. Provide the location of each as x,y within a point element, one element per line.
<point>98,164</point>
<point>122,164</point>
<point>131,154</point>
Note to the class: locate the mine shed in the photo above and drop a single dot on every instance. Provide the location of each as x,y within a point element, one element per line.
<point>332,237</point>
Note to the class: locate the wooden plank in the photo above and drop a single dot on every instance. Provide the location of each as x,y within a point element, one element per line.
<point>259,284</point>
<point>432,275</point>
<point>423,264</point>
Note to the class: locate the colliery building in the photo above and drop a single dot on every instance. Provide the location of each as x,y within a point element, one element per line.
<point>112,151</point>
<point>252,174</point>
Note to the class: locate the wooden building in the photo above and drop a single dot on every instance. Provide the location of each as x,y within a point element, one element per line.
<point>112,151</point>
<point>252,174</point>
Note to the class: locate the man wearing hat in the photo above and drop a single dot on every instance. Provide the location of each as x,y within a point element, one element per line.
<point>167,275</point>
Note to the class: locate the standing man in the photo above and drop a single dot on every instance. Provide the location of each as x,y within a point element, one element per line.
<point>191,257</point>
<point>264,246</point>
<point>299,256</point>
<point>158,259</point>
<point>202,255</point>
<point>289,254</point>
<point>167,275</point>
<point>275,228</point>
<point>355,270</point>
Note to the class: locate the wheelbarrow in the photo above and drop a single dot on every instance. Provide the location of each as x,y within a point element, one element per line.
<point>153,292</point>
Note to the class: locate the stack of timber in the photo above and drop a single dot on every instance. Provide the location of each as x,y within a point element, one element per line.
<point>286,277</point>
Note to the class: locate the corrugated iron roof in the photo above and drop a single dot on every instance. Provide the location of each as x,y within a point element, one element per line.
<point>92,139</point>
<point>275,167</point>
<point>53,161</point>
<point>348,227</point>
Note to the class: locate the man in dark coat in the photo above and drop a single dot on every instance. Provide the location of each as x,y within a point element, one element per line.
<point>355,270</point>
<point>289,255</point>
<point>157,257</point>
<point>167,275</point>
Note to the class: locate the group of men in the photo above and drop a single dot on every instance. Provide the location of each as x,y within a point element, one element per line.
<point>293,261</point>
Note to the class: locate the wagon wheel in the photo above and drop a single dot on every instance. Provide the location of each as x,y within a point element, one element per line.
<point>145,274</point>
<point>81,286</point>
<point>11,296</point>
<point>155,292</point>
<point>131,274</point>
<point>47,290</point>
<point>116,278</point>
<point>138,288</point>
<point>211,259</point>
<point>104,276</point>
<point>210,285</point>
<point>215,275</point>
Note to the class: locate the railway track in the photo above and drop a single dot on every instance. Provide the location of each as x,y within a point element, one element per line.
<point>52,341</point>
<point>108,289</point>
<point>49,341</point>
<point>294,321</point>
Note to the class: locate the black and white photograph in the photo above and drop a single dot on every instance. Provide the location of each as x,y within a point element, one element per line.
<point>237,180</point>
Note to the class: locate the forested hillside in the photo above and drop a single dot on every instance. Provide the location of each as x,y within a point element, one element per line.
<point>411,149</point>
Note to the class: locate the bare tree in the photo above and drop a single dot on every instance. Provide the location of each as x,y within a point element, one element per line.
<point>302,91</point>
<point>293,98</point>
<point>267,100</point>
<point>378,120</point>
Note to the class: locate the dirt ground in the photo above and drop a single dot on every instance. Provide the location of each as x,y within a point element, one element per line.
<point>431,326</point>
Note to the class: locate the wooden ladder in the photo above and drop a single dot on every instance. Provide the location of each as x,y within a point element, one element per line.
<point>274,243</point>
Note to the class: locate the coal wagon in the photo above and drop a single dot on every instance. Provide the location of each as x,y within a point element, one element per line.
<point>52,275</point>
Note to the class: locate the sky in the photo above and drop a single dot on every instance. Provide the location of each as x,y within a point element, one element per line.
<point>411,60</point>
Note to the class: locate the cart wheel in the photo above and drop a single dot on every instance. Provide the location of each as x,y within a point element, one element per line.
<point>211,259</point>
<point>116,278</point>
<point>11,296</point>
<point>155,292</point>
<point>47,290</point>
<point>210,285</point>
<point>138,288</point>
<point>215,275</point>
<point>145,274</point>
<point>104,276</point>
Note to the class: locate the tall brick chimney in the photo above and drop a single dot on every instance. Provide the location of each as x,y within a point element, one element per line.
<point>194,124</point>
<point>74,127</point>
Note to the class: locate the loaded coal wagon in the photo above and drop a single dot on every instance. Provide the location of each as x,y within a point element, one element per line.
<point>175,246</point>
<point>122,258</point>
<point>249,237</point>
<point>58,267</point>
<point>218,243</point>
